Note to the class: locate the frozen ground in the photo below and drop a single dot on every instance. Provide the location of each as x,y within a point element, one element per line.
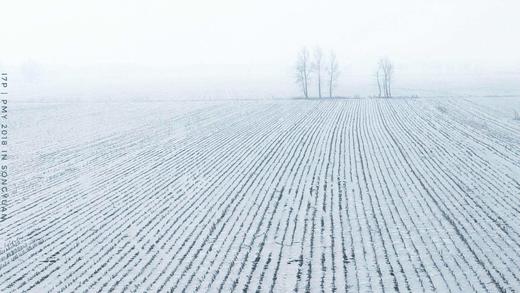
<point>291,195</point>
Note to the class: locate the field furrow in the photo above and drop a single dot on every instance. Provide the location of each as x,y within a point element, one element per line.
<point>332,195</point>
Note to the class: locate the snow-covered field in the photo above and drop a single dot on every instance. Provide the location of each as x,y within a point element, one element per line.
<point>280,195</point>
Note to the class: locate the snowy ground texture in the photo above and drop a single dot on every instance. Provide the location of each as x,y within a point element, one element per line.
<point>354,195</point>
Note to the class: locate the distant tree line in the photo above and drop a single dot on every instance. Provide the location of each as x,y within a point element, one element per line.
<point>315,68</point>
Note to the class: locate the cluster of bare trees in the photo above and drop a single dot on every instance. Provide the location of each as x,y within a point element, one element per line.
<point>384,78</point>
<point>314,68</point>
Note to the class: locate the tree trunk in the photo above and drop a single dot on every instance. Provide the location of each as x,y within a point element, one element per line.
<point>389,89</point>
<point>319,83</point>
<point>330,85</point>
<point>378,84</point>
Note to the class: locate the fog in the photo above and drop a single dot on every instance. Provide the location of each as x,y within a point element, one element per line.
<point>247,49</point>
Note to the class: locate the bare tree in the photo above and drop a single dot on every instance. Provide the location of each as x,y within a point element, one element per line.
<point>386,68</point>
<point>389,71</point>
<point>378,77</point>
<point>317,67</point>
<point>303,71</point>
<point>333,72</point>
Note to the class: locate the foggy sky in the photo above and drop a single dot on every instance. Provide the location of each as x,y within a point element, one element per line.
<point>231,48</point>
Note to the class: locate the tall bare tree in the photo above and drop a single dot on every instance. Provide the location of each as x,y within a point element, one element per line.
<point>303,71</point>
<point>333,72</point>
<point>317,66</point>
<point>378,78</point>
<point>386,68</point>
<point>389,72</point>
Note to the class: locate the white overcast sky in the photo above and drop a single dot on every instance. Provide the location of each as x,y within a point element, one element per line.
<point>204,48</point>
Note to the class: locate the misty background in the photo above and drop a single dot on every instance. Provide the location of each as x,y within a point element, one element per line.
<point>202,49</point>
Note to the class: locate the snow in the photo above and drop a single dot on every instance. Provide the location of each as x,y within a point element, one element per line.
<point>271,195</point>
